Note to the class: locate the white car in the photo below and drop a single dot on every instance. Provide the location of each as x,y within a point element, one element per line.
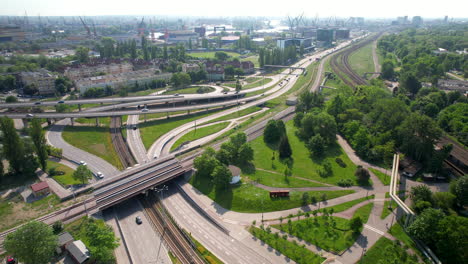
<point>100,175</point>
<point>145,110</point>
<point>83,163</point>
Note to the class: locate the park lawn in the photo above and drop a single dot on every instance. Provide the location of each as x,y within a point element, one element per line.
<point>199,133</point>
<point>278,180</point>
<point>95,140</point>
<point>190,90</point>
<point>103,121</point>
<point>384,178</point>
<point>346,205</point>
<point>257,83</point>
<point>211,54</point>
<point>386,211</point>
<point>237,114</point>
<point>303,165</point>
<point>65,179</point>
<point>361,61</point>
<point>289,249</point>
<point>246,198</point>
<point>321,232</point>
<point>385,249</point>
<point>252,79</point>
<point>152,130</point>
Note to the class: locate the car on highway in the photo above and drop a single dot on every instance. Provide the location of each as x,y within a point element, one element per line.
<point>144,110</point>
<point>100,175</point>
<point>61,102</point>
<point>29,115</point>
<point>176,94</point>
<point>37,103</point>
<point>83,163</point>
<point>408,174</point>
<point>134,127</point>
<point>138,220</point>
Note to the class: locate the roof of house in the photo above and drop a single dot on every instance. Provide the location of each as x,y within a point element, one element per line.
<point>234,170</point>
<point>39,186</point>
<point>458,152</point>
<point>65,238</point>
<point>78,250</point>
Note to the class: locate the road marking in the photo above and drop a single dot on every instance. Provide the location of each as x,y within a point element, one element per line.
<point>374,229</point>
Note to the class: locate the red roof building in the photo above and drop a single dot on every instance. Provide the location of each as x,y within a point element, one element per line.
<point>41,188</point>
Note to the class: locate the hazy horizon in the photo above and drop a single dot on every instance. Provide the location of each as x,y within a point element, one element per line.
<point>239,8</point>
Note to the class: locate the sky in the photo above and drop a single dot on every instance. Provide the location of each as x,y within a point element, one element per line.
<point>216,8</point>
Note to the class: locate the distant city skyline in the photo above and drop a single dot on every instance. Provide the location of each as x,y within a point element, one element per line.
<point>212,8</point>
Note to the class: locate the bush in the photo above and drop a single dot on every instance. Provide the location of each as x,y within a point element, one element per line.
<point>340,162</point>
<point>55,152</point>
<point>52,171</point>
<point>362,174</point>
<point>345,182</point>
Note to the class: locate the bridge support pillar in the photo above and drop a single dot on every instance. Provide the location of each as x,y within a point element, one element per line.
<point>49,122</point>
<point>79,107</point>
<point>97,121</point>
<point>72,120</point>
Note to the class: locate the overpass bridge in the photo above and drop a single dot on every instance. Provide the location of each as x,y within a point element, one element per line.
<point>291,68</point>
<point>117,189</point>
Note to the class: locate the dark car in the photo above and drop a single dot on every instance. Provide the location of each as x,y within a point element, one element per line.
<point>134,127</point>
<point>138,220</point>
<point>61,102</point>
<point>37,103</point>
<point>10,260</point>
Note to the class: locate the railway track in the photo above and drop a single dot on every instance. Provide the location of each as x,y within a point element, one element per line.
<point>171,234</point>
<point>120,145</point>
<point>342,67</point>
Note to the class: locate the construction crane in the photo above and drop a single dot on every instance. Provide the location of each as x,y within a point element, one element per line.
<point>94,29</point>
<point>141,27</point>
<point>86,27</point>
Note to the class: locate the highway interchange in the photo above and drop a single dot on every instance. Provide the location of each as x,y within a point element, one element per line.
<point>235,247</point>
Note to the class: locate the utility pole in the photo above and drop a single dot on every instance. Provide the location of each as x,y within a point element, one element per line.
<point>161,192</point>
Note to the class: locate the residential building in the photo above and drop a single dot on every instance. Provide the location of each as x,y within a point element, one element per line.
<point>180,36</point>
<point>229,39</point>
<point>64,239</point>
<point>453,85</point>
<point>215,71</point>
<point>201,31</point>
<point>78,251</point>
<point>42,79</point>
<point>40,189</point>
<point>417,21</point>
<point>11,33</point>
<point>283,43</point>
<point>121,79</point>
<point>93,69</point>
<point>190,67</point>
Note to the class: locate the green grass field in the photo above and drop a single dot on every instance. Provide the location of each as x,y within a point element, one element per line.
<point>67,178</point>
<point>346,205</point>
<point>152,130</point>
<point>211,54</point>
<point>278,180</point>
<point>330,233</point>
<point>190,90</point>
<point>287,248</point>
<point>303,165</point>
<point>159,115</point>
<point>103,121</point>
<point>397,231</point>
<point>384,178</point>
<point>199,133</point>
<point>246,198</point>
<point>361,60</point>
<point>95,140</point>
<point>385,249</point>
<point>386,211</point>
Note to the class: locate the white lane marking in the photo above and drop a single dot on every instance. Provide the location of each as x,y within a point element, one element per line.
<point>374,229</point>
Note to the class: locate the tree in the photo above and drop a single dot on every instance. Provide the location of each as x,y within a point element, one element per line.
<point>221,177</point>
<point>420,206</point>
<point>238,86</point>
<point>305,198</point>
<point>205,165</point>
<point>32,243</point>
<point>421,193</point>
<point>271,134</point>
<point>452,238</point>
<point>223,156</point>
<point>459,188</point>
<point>57,227</point>
<point>102,240</point>
<point>410,83</point>
<point>221,56</point>
<point>316,145</point>
<point>355,224</point>
<point>180,80</point>
<point>37,135</point>
<point>246,154</point>
<point>387,70</point>
<point>30,89</point>
<point>443,200</point>
<point>13,147</point>
<point>82,54</point>
<point>362,174</point>
<point>11,99</point>
<point>424,227</point>
<point>284,148</point>
<point>82,174</point>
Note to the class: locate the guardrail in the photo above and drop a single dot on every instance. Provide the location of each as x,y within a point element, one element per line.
<point>410,215</point>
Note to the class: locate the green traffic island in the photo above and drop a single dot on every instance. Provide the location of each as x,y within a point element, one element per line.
<point>291,250</point>
<point>101,121</point>
<point>95,140</point>
<point>199,133</point>
<point>61,173</point>
<point>331,233</point>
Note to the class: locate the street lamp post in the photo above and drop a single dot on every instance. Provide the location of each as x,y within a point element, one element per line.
<point>161,191</point>
<point>261,201</point>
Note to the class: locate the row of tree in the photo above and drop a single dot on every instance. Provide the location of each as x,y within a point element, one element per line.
<point>277,56</point>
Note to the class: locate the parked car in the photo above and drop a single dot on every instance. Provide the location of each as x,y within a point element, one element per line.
<point>407,174</point>
<point>100,175</point>
<point>138,220</point>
